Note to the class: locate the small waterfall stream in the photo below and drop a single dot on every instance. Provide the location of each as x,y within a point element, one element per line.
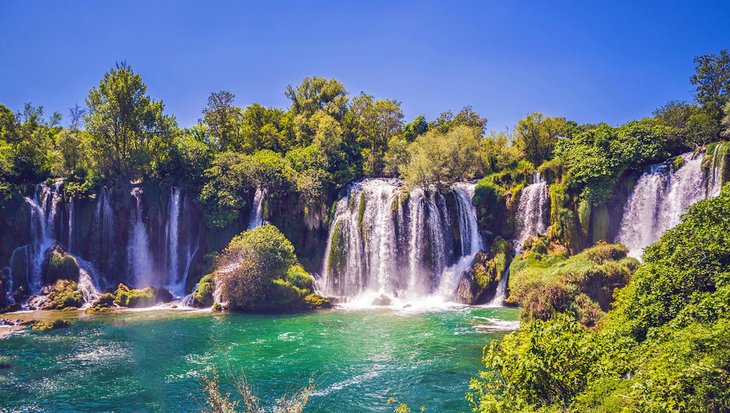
<point>172,238</point>
<point>385,241</point>
<point>138,251</point>
<point>257,212</point>
<point>532,211</point>
<point>658,201</point>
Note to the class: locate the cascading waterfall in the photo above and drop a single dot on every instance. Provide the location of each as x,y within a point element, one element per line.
<point>387,241</point>
<point>659,200</point>
<point>42,214</point>
<point>532,211</point>
<point>138,250</point>
<point>257,212</point>
<point>469,238</point>
<point>171,238</point>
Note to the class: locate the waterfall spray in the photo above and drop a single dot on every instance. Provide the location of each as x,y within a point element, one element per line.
<point>381,245</point>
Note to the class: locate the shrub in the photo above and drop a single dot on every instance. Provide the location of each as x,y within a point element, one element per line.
<point>245,272</point>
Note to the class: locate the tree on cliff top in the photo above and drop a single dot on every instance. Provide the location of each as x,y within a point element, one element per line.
<point>127,128</point>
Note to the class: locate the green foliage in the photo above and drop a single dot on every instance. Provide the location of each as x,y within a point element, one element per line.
<point>664,346</point>
<point>687,264</point>
<point>128,131</point>
<point>245,272</point>
<point>712,85</point>
<point>545,282</point>
<point>536,136</point>
<point>545,363</point>
<point>441,159</point>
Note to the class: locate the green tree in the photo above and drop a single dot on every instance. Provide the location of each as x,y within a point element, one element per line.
<point>712,82</point>
<point>465,117</point>
<point>265,128</point>
<point>536,135</point>
<point>441,159</point>
<point>417,127</point>
<point>377,122</point>
<point>313,95</point>
<point>128,130</point>
<point>223,120</point>
<point>726,122</point>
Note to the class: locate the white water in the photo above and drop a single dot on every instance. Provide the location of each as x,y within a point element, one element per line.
<point>716,172</point>
<point>658,202</point>
<point>139,259</point>
<point>532,211</point>
<point>395,251</point>
<point>171,238</point>
<point>257,212</point>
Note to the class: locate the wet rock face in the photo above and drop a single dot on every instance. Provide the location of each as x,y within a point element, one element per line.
<point>478,284</point>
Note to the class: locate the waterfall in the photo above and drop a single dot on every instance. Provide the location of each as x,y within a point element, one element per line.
<point>138,251</point>
<point>43,207</point>
<point>387,241</point>
<point>71,226</point>
<point>171,238</point>
<point>532,211</point>
<point>104,229</point>
<point>659,200</point>
<point>470,240</point>
<point>257,212</point>
<point>88,280</point>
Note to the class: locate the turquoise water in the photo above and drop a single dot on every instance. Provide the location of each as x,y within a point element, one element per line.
<point>152,361</point>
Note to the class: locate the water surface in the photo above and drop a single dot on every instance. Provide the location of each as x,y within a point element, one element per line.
<point>153,360</point>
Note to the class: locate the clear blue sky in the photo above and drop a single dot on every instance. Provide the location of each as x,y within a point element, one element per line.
<point>587,60</point>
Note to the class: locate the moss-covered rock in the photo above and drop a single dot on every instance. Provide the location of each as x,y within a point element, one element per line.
<point>64,294</point>
<point>203,295</point>
<point>57,265</point>
<point>135,298</point>
<point>51,325</point>
<point>479,283</point>
<point>102,305</point>
<point>315,300</point>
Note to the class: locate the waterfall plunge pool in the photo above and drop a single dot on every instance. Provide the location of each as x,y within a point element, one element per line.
<point>139,361</point>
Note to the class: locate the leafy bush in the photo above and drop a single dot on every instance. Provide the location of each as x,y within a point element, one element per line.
<point>546,363</point>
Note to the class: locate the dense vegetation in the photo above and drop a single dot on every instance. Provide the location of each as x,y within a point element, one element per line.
<point>665,346</point>
<point>258,272</point>
<point>662,346</point>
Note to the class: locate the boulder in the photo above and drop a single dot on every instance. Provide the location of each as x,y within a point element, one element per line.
<point>58,265</point>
